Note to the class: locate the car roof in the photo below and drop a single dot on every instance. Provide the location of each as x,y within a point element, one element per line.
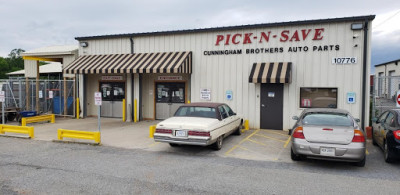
<point>205,104</point>
<point>396,110</point>
<point>332,110</point>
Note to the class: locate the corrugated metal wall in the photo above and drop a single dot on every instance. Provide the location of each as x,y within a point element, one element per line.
<point>220,73</point>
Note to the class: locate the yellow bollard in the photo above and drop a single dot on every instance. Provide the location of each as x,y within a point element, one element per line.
<point>188,101</point>
<point>123,110</point>
<point>53,118</point>
<point>152,129</point>
<point>23,122</point>
<point>77,108</point>
<point>246,125</point>
<point>135,111</point>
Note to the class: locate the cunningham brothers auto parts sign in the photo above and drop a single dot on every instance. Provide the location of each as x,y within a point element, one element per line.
<point>283,36</point>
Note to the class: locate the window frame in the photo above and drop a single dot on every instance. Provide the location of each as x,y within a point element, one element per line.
<point>331,88</point>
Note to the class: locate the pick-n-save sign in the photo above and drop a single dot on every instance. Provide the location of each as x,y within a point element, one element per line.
<point>283,36</point>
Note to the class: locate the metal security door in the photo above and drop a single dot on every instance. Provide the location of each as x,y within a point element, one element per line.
<point>169,96</point>
<point>112,95</point>
<point>271,106</point>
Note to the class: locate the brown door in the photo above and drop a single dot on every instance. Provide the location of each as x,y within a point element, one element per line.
<point>271,106</point>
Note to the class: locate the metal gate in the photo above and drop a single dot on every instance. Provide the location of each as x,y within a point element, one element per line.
<point>383,94</point>
<point>55,96</point>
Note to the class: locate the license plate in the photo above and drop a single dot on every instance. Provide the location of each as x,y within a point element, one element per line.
<point>327,151</point>
<point>180,133</point>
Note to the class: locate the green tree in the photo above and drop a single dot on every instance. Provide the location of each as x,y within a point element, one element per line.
<point>14,60</point>
<point>12,63</point>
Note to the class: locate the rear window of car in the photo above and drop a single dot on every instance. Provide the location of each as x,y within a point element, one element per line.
<point>195,111</point>
<point>332,119</point>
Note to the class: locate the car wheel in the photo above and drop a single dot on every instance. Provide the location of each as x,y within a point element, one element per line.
<point>173,145</point>
<point>239,130</point>
<point>386,154</point>
<point>360,163</point>
<point>373,139</point>
<point>294,156</point>
<point>218,144</point>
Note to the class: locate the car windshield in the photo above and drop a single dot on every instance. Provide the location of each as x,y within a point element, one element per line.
<point>194,111</point>
<point>331,119</point>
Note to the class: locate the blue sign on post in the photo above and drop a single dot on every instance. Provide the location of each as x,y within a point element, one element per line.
<point>229,95</point>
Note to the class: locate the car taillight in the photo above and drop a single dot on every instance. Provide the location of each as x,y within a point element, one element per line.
<point>396,134</point>
<point>298,133</point>
<point>358,136</point>
<point>169,131</point>
<point>199,133</point>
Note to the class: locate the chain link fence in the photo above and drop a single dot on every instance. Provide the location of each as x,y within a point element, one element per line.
<point>384,94</point>
<point>55,96</point>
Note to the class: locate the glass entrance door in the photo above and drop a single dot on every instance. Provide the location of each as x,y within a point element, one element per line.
<point>169,96</point>
<point>112,94</point>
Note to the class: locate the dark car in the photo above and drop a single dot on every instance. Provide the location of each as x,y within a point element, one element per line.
<point>386,134</point>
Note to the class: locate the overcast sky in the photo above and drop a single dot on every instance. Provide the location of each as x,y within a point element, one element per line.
<point>30,24</point>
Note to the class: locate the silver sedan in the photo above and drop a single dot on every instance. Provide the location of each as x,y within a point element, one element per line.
<point>328,134</point>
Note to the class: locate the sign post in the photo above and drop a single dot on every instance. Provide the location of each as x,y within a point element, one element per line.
<point>2,100</point>
<point>97,102</point>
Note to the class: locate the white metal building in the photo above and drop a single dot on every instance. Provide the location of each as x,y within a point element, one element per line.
<point>265,72</point>
<point>388,77</point>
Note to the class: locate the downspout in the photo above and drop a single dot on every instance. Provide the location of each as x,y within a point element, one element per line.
<point>364,73</point>
<point>133,86</point>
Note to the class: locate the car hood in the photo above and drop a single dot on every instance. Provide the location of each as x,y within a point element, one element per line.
<point>195,123</point>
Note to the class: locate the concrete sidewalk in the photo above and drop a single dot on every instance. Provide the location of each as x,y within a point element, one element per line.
<point>267,145</point>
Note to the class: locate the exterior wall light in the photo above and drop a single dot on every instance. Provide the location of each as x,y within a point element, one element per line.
<point>84,44</point>
<point>357,26</point>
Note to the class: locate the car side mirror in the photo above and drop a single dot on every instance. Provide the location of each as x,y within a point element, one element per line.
<point>295,118</point>
<point>234,113</point>
<point>357,120</point>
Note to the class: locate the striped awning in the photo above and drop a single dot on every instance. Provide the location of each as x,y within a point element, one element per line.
<point>274,72</point>
<point>166,62</point>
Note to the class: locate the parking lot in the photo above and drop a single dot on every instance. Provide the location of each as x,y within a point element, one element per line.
<point>264,145</point>
<point>259,144</point>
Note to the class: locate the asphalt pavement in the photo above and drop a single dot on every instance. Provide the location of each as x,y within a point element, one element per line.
<point>43,167</point>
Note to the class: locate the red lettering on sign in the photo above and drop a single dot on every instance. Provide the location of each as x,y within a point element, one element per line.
<point>234,39</point>
<point>265,36</point>
<point>219,39</point>
<point>305,34</point>
<point>318,34</point>
<point>284,36</point>
<point>295,36</point>
<point>247,39</point>
<point>228,36</point>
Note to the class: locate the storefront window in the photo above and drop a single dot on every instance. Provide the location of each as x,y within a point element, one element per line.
<point>170,92</point>
<point>318,97</point>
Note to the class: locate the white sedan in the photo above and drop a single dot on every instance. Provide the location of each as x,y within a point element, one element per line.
<point>200,124</point>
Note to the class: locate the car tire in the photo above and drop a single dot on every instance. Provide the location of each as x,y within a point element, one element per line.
<point>360,163</point>
<point>373,139</point>
<point>294,156</point>
<point>238,131</point>
<point>218,144</point>
<point>173,145</point>
<point>386,154</point>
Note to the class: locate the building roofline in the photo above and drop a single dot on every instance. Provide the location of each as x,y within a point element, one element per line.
<point>394,61</point>
<point>213,29</point>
